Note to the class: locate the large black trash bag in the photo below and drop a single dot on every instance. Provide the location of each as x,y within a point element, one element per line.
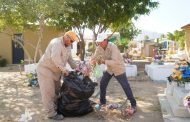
<point>74,107</point>
<point>74,95</point>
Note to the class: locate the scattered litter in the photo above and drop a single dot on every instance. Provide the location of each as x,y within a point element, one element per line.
<point>27,116</point>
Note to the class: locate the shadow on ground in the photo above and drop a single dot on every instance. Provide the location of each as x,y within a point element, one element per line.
<point>16,96</point>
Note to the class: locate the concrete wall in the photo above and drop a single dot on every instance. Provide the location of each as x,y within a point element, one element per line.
<point>187,40</point>
<point>6,45</point>
<point>30,41</point>
<point>148,49</point>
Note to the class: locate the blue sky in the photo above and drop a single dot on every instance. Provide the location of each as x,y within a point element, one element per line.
<point>170,15</point>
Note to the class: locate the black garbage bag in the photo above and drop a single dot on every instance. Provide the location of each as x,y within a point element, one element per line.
<point>78,86</point>
<point>74,95</point>
<point>74,107</point>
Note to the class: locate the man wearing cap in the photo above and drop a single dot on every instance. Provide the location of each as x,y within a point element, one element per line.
<point>107,53</point>
<point>50,67</point>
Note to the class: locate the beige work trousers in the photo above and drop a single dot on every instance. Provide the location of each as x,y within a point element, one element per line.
<point>50,85</point>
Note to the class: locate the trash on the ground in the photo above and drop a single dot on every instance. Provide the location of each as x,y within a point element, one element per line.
<point>32,79</point>
<point>97,107</point>
<point>114,106</point>
<point>127,112</point>
<point>27,116</point>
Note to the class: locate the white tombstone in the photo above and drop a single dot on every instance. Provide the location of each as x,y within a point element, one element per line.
<point>131,70</point>
<point>30,68</point>
<point>159,72</point>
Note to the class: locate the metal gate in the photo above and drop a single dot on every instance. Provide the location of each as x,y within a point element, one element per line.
<point>18,52</point>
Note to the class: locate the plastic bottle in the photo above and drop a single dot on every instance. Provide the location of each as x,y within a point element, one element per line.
<point>97,107</point>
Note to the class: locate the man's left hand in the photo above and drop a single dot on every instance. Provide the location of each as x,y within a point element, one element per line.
<point>102,61</point>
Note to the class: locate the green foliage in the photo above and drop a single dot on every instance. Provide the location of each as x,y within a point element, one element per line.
<point>26,13</point>
<point>66,14</point>
<point>170,36</point>
<point>146,37</point>
<point>128,31</point>
<point>122,44</point>
<point>98,15</point>
<point>32,79</point>
<point>90,47</point>
<point>178,36</point>
<point>2,23</point>
<point>3,62</point>
<point>22,62</point>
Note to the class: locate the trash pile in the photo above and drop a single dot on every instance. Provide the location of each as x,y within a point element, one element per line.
<point>75,93</point>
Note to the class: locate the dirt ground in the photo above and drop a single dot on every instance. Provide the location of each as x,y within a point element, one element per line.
<point>16,96</point>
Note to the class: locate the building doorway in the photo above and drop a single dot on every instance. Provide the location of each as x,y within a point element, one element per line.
<point>18,52</point>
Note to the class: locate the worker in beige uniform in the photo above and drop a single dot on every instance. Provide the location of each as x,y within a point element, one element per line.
<point>107,53</point>
<point>50,68</point>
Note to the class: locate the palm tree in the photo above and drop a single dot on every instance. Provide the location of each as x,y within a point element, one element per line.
<point>177,36</point>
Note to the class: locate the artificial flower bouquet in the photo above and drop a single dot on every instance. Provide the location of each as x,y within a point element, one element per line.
<point>158,56</point>
<point>127,58</point>
<point>88,68</point>
<point>181,73</point>
<point>84,67</point>
<point>158,61</point>
<point>32,79</point>
<point>186,101</point>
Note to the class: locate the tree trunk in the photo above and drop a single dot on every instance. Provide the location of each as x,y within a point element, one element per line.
<point>34,47</point>
<point>38,46</point>
<point>82,49</point>
<point>94,41</point>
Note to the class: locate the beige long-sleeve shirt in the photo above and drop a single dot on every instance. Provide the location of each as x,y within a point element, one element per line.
<point>112,57</point>
<point>56,56</point>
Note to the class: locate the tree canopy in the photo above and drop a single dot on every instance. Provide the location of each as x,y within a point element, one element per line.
<point>97,15</point>
<point>177,36</point>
